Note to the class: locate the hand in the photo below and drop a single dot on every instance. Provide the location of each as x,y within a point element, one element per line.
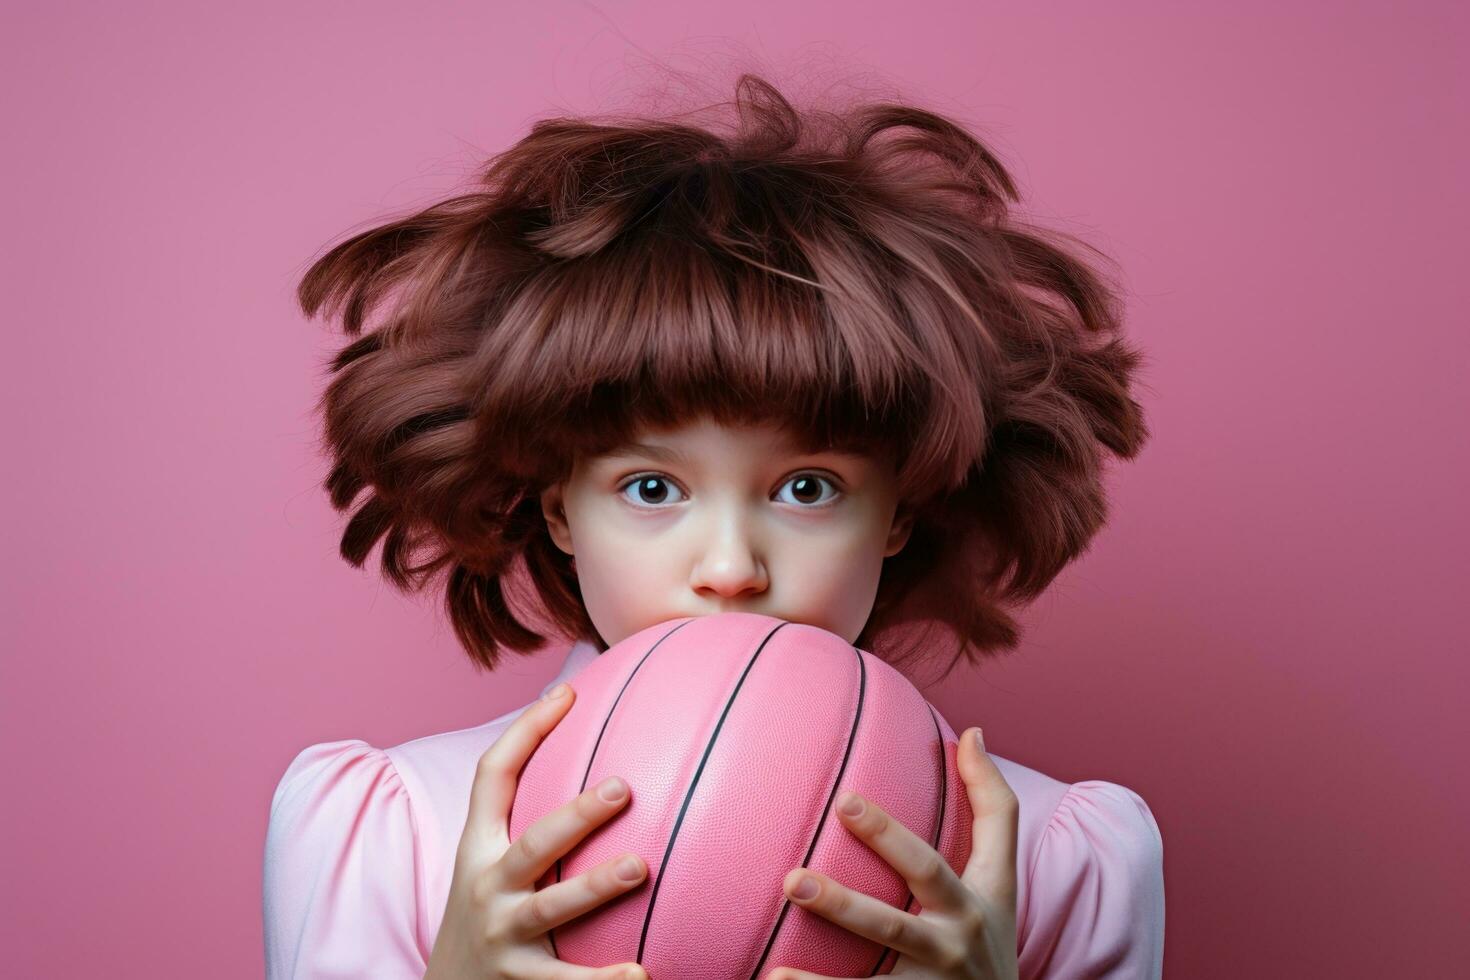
<point>495,920</point>
<point>967,926</point>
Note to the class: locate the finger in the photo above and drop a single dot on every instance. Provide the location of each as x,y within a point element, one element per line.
<point>539,845</point>
<point>568,971</point>
<point>545,967</point>
<point>787,973</point>
<point>555,904</point>
<point>997,812</point>
<point>499,767</point>
<point>866,916</point>
<point>928,874</point>
<point>622,971</point>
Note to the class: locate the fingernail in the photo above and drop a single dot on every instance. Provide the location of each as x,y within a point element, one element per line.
<point>628,868</point>
<point>851,805</point>
<point>980,740</point>
<point>805,888</point>
<point>557,692</point>
<point>611,789</point>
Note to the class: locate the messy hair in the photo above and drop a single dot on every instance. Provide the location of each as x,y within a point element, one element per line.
<point>857,277</point>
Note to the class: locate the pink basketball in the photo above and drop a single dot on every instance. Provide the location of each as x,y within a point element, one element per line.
<point>736,732</point>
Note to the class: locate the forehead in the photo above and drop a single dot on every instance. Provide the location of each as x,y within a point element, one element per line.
<point>706,436</point>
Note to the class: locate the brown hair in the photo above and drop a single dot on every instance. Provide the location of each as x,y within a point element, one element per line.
<point>855,276</point>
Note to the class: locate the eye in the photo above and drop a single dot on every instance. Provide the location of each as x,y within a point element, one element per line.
<point>649,490</point>
<point>807,489</point>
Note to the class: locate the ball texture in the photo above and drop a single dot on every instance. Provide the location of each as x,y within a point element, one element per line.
<point>735,733</point>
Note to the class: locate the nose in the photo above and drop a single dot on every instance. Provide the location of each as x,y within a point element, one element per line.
<point>730,564</point>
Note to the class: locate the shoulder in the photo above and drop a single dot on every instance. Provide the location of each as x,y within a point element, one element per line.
<point>438,771</point>
<point>327,765</point>
<point>328,781</point>
<point>1090,886</point>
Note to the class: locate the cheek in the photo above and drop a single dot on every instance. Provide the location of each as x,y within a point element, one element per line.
<point>833,587</point>
<point>620,579</point>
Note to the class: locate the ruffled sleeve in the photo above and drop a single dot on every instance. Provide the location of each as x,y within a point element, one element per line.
<point>343,874</point>
<point>1095,906</point>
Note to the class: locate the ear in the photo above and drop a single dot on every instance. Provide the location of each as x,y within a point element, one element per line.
<point>899,531</point>
<point>554,511</point>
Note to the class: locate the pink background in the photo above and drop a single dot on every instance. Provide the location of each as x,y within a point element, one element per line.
<point>1266,643</point>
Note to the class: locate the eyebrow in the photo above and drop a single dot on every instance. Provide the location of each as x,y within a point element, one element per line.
<point>666,453</point>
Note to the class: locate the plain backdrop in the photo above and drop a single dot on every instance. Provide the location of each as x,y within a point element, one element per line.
<point>1267,642</point>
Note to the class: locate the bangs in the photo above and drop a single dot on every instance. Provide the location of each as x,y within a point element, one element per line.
<point>816,334</point>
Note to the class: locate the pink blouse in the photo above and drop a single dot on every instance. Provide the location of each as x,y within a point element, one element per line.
<point>361,845</point>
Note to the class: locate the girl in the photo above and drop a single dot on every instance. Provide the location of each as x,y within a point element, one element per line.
<point>809,366</point>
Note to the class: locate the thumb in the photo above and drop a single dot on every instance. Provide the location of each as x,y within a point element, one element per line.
<point>996,811</point>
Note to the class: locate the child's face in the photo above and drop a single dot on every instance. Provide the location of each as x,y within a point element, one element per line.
<point>706,518</point>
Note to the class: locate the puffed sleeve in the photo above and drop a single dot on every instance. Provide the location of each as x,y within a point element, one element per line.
<point>343,875</point>
<point>1095,907</point>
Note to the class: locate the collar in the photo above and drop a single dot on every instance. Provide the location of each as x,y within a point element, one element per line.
<point>582,653</point>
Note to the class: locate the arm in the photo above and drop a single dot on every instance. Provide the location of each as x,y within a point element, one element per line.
<point>342,873</point>
<point>1096,902</point>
